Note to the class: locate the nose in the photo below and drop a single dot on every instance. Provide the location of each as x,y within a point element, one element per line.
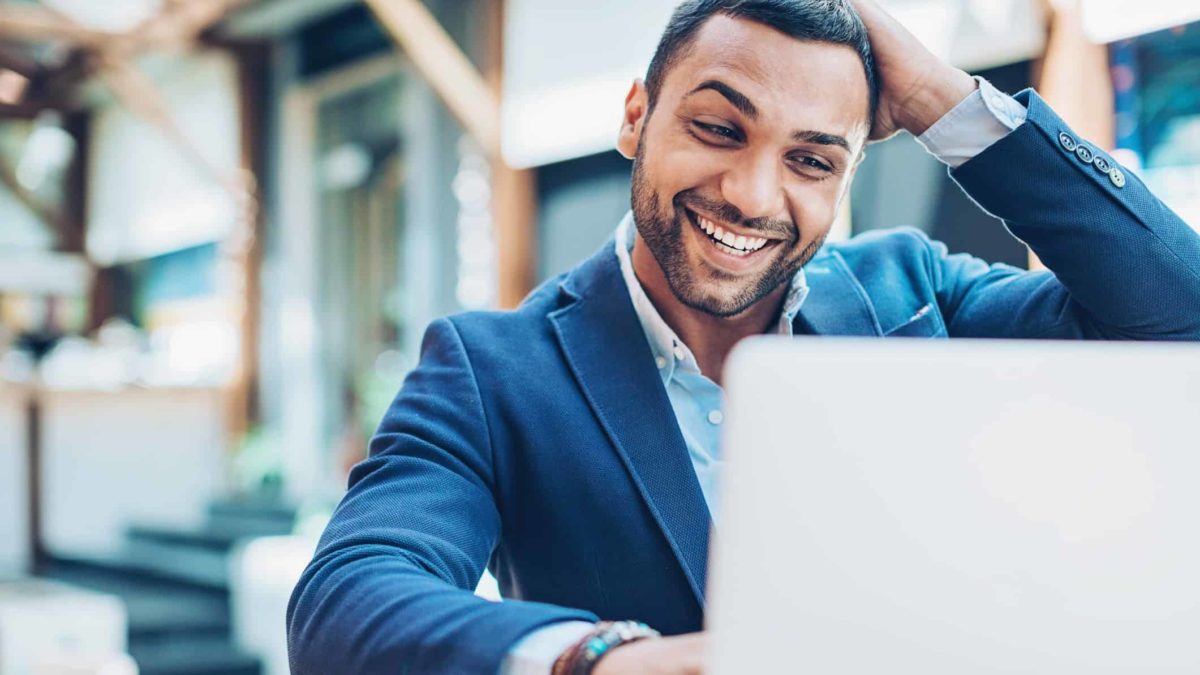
<point>755,187</point>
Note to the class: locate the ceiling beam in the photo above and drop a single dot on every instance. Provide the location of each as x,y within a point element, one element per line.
<point>140,96</point>
<point>38,24</point>
<point>180,24</point>
<point>50,217</point>
<point>445,67</point>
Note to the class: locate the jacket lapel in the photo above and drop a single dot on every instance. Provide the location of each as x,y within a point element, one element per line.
<point>836,304</point>
<point>608,353</point>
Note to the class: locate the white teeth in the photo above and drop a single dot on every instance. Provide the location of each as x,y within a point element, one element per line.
<point>738,245</point>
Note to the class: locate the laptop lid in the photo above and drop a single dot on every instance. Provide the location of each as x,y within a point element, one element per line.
<point>961,507</point>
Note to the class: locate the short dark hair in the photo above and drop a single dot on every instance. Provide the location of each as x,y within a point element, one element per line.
<point>832,21</point>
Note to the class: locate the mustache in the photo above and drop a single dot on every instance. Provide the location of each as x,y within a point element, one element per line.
<point>729,213</point>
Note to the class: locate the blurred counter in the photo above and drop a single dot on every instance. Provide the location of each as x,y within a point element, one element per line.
<point>14,495</point>
<point>134,455</point>
<point>109,458</point>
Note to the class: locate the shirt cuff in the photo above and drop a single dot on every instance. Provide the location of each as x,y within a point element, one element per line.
<point>536,653</point>
<point>981,119</point>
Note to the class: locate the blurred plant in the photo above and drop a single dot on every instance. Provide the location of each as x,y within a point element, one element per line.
<point>376,387</point>
<point>257,465</point>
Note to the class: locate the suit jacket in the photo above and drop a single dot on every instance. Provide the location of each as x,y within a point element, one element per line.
<point>541,442</point>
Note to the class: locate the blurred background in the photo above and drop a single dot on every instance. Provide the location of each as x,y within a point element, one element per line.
<point>224,225</point>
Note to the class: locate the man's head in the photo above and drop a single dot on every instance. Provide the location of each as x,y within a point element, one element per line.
<point>752,119</point>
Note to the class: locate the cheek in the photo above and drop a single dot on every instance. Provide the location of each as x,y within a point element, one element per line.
<point>815,206</point>
<point>680,164</point>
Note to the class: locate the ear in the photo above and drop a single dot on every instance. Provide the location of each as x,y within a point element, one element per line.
<point>637,103</point>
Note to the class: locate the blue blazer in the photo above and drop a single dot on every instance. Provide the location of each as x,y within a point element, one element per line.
<point>541,442</point>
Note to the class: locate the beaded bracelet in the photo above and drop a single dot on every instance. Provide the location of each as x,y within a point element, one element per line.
<point>582,658</point>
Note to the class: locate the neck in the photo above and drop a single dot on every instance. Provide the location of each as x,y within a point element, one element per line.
<point>710,338</point>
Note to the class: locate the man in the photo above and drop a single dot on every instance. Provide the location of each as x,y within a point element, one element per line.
<point>571,445</point>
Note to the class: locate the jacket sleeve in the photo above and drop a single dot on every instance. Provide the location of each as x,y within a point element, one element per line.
<point>389,589</point>
<point>1124,266</point>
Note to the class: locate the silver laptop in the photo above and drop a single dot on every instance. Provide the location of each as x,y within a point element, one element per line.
<point>958,508</point>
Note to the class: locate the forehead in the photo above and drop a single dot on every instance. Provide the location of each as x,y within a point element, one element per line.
<point>788,80</point>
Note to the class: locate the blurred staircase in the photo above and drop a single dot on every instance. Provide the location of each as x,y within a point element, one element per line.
<point>175,585</point>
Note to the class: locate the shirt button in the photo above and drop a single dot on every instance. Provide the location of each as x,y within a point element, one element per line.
<point>679,353</point>
<point>660,362</point>
<point>716,417</point>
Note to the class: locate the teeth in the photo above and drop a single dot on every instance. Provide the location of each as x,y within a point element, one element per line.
<point>738,244</point>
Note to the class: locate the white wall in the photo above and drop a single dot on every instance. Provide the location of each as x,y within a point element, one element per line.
<point>1112,20</point>
<point>145,197</point>
<point>112,459</point>
<point>14,497</point>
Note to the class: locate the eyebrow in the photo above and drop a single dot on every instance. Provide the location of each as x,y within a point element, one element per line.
<point>735,97</point>
<point>821,138</point>
<point>747,108</point>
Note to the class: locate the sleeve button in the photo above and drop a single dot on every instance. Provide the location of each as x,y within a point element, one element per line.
<point>1067,142</point>
<point>1117,177</point>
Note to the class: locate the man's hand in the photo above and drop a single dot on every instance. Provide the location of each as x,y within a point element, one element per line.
<point>682,655</point>
<point>916,87</point>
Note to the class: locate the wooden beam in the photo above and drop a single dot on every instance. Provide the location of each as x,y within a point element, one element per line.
<point>73,239</point>
<point>33,478</point>
<point>445,67</point>
<point>179,24</point>
<point>138,94</point>
<point>38,24</point>
<point>514,191</point>
<point>25,110</point>
<point>52,218</point>
<point>245,247</point>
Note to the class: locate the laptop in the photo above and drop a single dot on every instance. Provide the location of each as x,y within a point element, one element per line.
<point>958,507</point>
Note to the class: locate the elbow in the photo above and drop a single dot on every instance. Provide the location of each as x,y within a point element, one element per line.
<point>302,617</point>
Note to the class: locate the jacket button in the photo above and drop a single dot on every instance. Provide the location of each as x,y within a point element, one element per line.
<point>1085,154</point>
<point>1067,142</point>
<point>1102,164</point>
<point>1116,177</point>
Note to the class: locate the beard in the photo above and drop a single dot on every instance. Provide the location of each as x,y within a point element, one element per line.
<point>704,288</point>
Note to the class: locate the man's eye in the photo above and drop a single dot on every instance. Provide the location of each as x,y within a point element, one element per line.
<point>813,163</point>
<point>717,130</point>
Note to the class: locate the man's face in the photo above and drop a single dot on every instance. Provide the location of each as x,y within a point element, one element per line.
<point>753,139</point>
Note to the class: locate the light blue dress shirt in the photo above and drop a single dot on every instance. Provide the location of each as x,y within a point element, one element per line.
<point>696,399</point>
<point>981,119</point>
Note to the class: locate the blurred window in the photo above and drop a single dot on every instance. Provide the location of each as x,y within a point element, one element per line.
<point>1156,78</point>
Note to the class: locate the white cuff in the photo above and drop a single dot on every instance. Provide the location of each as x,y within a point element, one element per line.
<point>536,653</point>
<point>981,119</point>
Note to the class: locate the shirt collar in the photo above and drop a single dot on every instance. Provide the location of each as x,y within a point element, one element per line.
<point>669,351</point>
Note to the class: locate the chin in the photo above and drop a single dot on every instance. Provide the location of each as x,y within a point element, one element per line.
<point>715,298</point>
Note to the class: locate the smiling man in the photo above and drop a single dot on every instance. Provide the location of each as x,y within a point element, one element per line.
<point>571,446</point>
